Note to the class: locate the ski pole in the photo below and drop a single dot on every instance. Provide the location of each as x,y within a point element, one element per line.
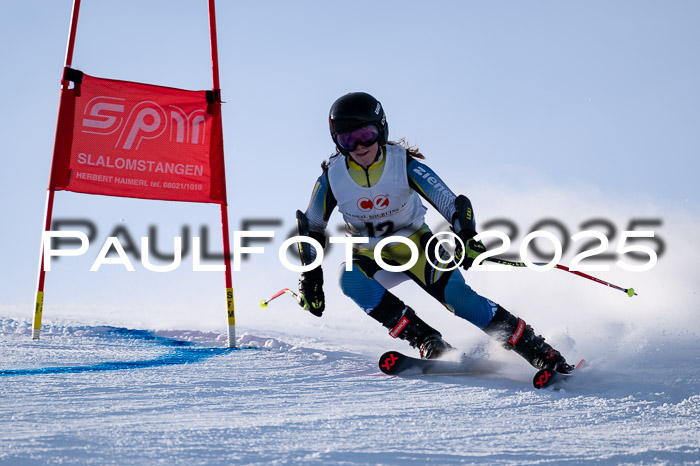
<point>629,291</point>
<point>266,302</point>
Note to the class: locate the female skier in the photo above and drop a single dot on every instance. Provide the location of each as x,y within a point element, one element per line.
<point>377,185</point>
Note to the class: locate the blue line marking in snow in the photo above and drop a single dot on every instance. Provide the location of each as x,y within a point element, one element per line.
<point>190,355</point>
<point>185,352</point>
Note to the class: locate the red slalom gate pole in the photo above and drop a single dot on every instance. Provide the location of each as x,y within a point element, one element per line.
<point>48,210</point>
<point>230,307</point>
<point>71,37</point>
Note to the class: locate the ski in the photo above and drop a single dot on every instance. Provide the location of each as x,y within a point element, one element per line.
<point>399,364</point>
<point>547,377</point>
<point>395,363</point>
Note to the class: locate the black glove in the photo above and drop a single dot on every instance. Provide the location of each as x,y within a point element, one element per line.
<point>311,295</point>
<point>472,248</point>
<point>463,220</point>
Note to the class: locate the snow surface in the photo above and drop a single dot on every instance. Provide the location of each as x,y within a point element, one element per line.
<point>95,394</point>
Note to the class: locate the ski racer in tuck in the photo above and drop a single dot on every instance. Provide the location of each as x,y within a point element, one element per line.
<point>377,186</point>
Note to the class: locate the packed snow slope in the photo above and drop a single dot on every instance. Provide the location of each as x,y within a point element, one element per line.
<point>109,395</point>
<point>121,379</point>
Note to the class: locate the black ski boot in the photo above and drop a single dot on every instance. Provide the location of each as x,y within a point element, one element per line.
<point>403,323</point>
<point>419,335</point>
<point>515,334</point>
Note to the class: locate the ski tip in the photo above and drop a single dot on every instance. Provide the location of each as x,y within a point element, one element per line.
<point>546,377</point>
<point>543,378</point>
<point>388,360</point>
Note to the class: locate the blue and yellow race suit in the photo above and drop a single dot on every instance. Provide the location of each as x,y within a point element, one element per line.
<point>385,200</point>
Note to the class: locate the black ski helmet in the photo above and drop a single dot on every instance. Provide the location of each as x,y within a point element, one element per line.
<point>355,110</point>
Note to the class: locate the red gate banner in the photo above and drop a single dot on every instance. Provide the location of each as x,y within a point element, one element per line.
<point>119,138</point>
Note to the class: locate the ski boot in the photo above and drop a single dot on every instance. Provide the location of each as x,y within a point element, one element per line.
<point>419,335</point>
<point>514,334</point>
<point>403,323</point>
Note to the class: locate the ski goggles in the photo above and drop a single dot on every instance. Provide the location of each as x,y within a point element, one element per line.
<point>365,135</point>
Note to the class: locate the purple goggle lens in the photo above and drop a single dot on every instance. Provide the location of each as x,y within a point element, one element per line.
<point>366,135</point>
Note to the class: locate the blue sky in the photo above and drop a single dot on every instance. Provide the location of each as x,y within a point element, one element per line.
<point>515,104</point>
